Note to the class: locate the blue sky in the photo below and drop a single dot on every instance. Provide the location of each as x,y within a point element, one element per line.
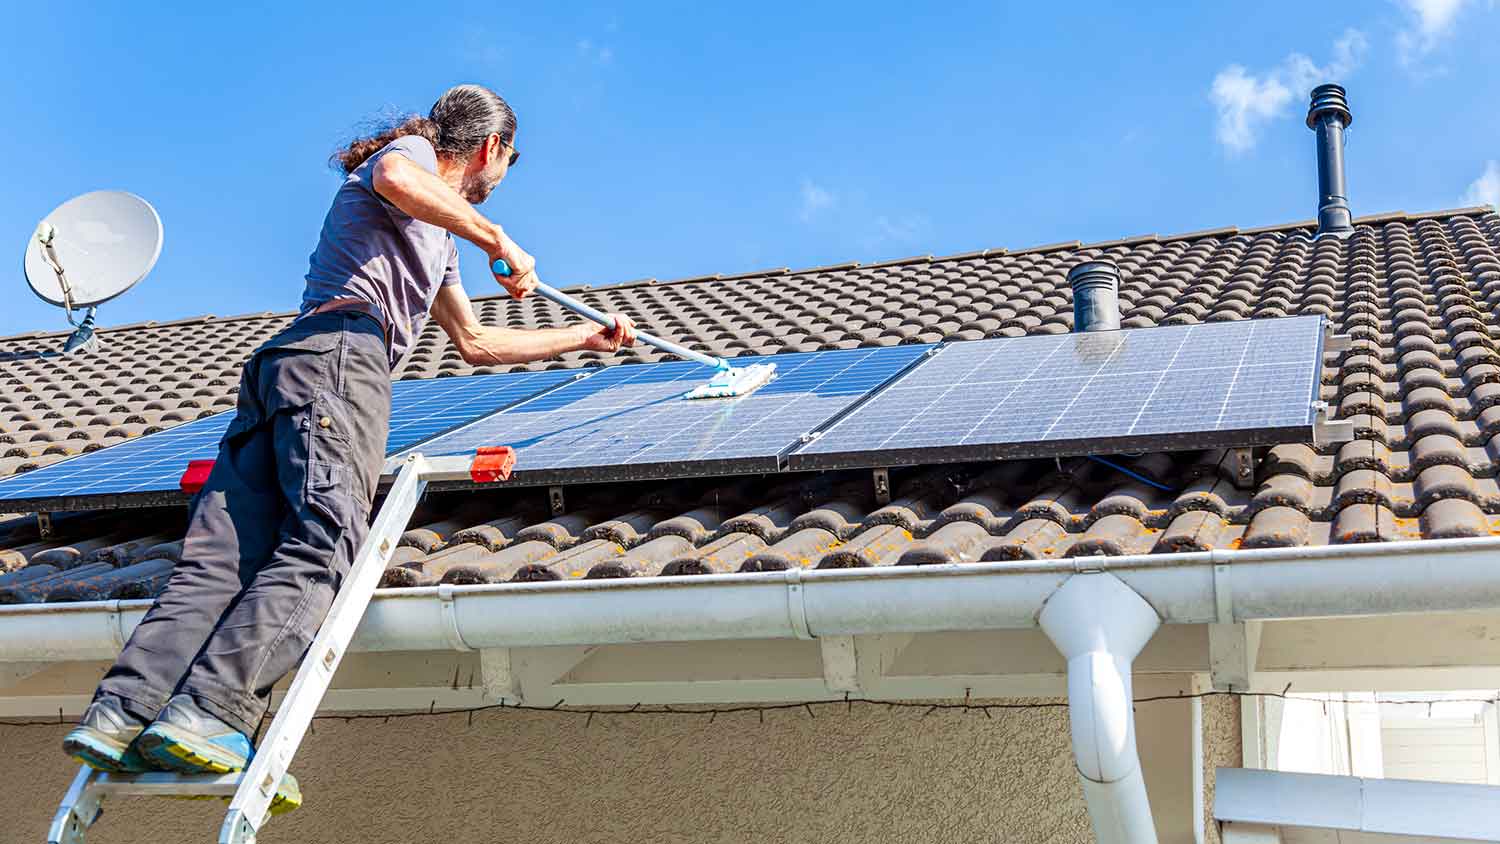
<point>674,140</point>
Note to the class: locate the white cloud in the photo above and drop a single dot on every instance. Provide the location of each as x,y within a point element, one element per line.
<point>1486,189</point>
<point>482,48</point>
<point>595,52</point>
<point>887,232</point>
<point>1428,23</point>
<point>850,216</point>
<point>815,199</point>
<point>1246,101</point>
<point>1348,55</point>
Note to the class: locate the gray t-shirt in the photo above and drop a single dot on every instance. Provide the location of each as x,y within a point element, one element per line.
<point>370,249</point>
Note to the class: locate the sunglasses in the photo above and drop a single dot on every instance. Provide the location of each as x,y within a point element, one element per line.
<point>514,154</point>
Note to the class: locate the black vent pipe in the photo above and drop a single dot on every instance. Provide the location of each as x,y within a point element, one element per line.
<point>1096,296</point>
<point>1328,115</point>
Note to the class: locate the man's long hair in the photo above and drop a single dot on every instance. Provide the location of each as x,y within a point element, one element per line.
<point>456,126</point>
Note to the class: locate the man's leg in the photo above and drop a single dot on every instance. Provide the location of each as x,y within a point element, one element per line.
<point>328,453</point>
<point>230,535</point>
<point>221,552</point>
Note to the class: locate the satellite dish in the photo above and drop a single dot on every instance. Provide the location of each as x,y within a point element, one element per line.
<point>89,250</point>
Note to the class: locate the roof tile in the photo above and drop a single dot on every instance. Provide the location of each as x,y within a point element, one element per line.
<point>1420,380</point>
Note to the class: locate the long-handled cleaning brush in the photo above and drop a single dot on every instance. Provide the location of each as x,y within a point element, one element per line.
<point>728,381</point>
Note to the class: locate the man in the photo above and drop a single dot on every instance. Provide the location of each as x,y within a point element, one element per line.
<point>278,522</point>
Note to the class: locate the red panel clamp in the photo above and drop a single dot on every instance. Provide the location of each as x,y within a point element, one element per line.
<point>492,463</point>
<point>195,476</point>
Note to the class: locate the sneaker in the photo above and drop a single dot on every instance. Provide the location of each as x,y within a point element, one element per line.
<point>187,739</point>
<point>105,738</point>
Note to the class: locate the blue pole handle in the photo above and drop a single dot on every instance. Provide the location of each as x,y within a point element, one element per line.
<point>501,268</point>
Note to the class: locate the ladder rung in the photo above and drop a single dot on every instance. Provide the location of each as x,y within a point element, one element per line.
<point>163,784</point>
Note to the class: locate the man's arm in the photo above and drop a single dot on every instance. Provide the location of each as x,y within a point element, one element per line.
<point>485,345</point>
<point>425,197</point>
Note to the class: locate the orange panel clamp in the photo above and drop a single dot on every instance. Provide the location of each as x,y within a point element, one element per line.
<point>492,463</point>
<point>195,476</point>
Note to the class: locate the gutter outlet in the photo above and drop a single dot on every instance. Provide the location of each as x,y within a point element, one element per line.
<point>1100,625</point>
<point>1328,115</point>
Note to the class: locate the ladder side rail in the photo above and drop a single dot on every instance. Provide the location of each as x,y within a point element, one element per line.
<point>257,787</point>
<point>79,809</point>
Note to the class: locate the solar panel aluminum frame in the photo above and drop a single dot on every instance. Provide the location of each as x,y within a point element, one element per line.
<point>103,501</point>
<point>1316,429</point>
<point>656,471</point>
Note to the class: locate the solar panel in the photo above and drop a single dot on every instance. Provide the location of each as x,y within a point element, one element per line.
<point>1251,382</point>
<point>423,409</point>
<point>631,422</point>
<point>1177,387</point>
<point>154,463</point>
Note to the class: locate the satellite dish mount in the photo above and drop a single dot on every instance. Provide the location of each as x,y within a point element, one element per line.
<point>46,233</point>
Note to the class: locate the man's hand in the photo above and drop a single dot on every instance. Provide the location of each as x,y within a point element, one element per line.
<point>428,198</point>
<point>601,339</point>
<point>522,278</point>
<point>486,345</point>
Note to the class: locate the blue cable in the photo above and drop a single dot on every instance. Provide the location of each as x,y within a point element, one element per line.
<point>1142,478</point>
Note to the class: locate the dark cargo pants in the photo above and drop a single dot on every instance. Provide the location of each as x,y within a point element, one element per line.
<point>275,528</point>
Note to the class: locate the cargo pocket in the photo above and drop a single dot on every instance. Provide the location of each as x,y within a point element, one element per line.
<point>327,423</point>
<point>328,490</point>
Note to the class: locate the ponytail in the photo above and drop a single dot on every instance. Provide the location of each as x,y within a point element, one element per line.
<point>460,121</point>
<point>350,157</point>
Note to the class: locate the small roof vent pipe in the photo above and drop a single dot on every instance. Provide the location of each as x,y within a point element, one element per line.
<point>1328,115</point>
<point>1096,296</point>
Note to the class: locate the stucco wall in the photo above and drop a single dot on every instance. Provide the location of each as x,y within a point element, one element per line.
<point>868,775</point>
<point>1221,749</point>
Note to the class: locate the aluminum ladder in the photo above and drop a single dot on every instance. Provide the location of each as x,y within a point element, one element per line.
<point>251,791</point>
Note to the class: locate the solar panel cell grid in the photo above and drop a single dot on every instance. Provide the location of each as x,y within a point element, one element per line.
<point>154,463</point>
<point>147,464</point>
<point>1201,381</point>
<point>1237,383</point>
<point>633,416</point>
<point>423,409</point>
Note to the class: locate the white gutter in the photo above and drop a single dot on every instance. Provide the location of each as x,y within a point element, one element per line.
<point>1375,579</point>
<point>1192,588</point>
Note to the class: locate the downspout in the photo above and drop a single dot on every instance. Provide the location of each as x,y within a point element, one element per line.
<point>1100,625</point>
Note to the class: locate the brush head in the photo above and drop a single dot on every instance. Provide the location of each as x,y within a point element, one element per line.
<point>729,383</point>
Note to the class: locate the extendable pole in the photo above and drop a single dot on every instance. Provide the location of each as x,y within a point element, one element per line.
<point>561,298</point>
